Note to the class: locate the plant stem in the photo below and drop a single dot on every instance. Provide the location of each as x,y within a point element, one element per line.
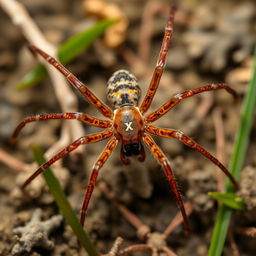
<point>237,159</point>
<point>63,204</point>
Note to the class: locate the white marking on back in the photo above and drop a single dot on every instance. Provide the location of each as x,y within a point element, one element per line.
<point>128,126</point>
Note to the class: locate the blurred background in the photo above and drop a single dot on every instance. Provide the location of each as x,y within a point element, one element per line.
<point>213,42</point>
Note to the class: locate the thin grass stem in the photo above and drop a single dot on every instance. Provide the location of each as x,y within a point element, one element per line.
<point>236,163</point>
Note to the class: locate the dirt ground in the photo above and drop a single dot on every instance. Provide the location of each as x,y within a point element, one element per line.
<point>212,43</point>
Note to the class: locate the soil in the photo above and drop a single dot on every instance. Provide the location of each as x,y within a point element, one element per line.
<point>212,43</point>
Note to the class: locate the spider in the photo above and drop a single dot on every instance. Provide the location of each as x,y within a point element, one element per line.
<point>128,123</point>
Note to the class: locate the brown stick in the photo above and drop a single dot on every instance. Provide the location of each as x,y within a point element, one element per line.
<point>177,220</point>
<point>251,231</point>
<point>129,216</point>
<point>66,98</point>
<point>134,248</point>
<point>169,252</point>
<point>12,162</point>
<point>146,30</point>
<point>115,248</point>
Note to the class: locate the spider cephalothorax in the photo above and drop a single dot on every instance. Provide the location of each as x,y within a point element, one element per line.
<point>128,123</point>
<point>129,126</point>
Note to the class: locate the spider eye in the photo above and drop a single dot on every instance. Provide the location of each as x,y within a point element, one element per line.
<point>132,149</point>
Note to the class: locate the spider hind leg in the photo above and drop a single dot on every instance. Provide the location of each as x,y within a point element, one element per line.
<point>163,161</point>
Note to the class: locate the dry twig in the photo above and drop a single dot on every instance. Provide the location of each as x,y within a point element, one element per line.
<point>12,162</point>
<point>67,100</point>
<point>155,241</point>
<point>246,231</point>
<point>137,66</point>
<point>35,233</point>
<point>146,30</point>
<point>115,248</point>
<point>177,220</point>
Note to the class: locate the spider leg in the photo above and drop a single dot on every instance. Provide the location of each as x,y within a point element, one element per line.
<point>161,62</point>
<point>89,139</point>
<point>162,159</point>
<point>95,171</point>
<point>81,87</point>
<point>192,144</point>
<point>180,96</point>
<point>79,116</point>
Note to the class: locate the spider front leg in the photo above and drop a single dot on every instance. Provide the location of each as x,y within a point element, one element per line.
<point>93,178</point>
<point>161,62</point>
<point>180,96</point>
<point>89,139</point>
<point>167,133</point>
<point>78,116</point>
<point>81,87</point>
<point>162,159</point>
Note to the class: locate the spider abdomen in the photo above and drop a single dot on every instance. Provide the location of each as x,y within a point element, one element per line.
<point>123,89</point>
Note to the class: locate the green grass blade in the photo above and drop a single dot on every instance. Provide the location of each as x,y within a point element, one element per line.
<point>32,78</point>
<point>229,199</point>
<point>68,51</point>
<point>237,159</point>
<point>63,204</point>
<point>79,42</point>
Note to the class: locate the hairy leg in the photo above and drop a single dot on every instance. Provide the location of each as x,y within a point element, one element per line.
<point>161,62</point>
<point>79,116</point>
<point>162,159</point>
<point>167,133</point>
<point>81,87</point>
<point>180,96</point>
<point>89,139</point>
<point>95,171</point>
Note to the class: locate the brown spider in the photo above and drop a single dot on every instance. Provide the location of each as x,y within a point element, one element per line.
<point>128,122</point>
